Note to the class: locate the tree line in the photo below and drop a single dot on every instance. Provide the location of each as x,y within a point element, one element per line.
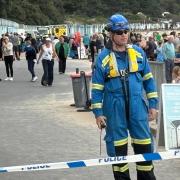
<point>46,12</point>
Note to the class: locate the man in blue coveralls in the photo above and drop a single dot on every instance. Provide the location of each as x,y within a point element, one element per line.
<point>120,77</point>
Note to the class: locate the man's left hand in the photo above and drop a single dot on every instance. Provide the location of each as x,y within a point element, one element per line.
<point>152,114</point>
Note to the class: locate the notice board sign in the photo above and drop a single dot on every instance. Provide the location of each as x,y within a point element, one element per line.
<point>171,114</point>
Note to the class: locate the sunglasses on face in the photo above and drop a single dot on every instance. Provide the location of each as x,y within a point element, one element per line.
<point>121,32</point>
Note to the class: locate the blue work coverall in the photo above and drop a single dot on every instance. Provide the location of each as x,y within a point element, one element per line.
<point>109,98</point>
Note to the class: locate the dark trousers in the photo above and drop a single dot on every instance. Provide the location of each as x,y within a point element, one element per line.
<point>62,65</point>
<point>0,52</point>
<point>169,64</point>
<point>122,173</point>
<point>16,52</point>
<point>31,67</point>
<point>47,78</point>
<point>92,56</point>
<point>9,65</point>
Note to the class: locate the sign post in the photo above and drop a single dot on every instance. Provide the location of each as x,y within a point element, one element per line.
<point>171,114</point>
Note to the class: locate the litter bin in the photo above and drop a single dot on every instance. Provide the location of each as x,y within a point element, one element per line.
<point>81,88</point>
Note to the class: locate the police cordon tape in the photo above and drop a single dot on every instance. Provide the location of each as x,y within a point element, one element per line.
<point>172,154</point>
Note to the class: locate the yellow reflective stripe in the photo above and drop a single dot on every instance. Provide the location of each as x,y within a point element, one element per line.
<point>141,141</point>
<point>116,168</point>
<point>148,76</point>
<point>96,106</point>
<point>97,86</point>
<point>144,168</point>
<point>121,142</point>
<point>105,61</point>
<point>124,168</point>
<point>120,169</point>
<point>113,66</point>
<point>133,65</point>
<point>152,95</point>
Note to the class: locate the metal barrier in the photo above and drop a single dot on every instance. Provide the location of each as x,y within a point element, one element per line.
<point>158,70</point>
<point>8,26</point>
<point>11,26</point>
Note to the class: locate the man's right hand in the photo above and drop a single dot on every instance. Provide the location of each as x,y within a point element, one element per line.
<point>101,122</point>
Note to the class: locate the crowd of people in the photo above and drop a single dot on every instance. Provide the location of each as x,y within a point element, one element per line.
<point>37,49</point>
<point>162,48</point>
<point>158,47</point>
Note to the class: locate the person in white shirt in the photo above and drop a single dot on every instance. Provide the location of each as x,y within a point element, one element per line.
<point>7,51</point>
<point>47,54</point>
<point>55,41</point>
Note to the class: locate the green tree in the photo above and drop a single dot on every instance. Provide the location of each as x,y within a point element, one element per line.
<point>45,12</point>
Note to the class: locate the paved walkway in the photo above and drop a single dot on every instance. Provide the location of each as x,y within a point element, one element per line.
<point>38,125</point>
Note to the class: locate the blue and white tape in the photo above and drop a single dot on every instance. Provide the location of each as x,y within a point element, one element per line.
<point>172,154</point>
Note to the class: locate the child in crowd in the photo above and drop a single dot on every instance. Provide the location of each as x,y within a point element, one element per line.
<point>176,74</point>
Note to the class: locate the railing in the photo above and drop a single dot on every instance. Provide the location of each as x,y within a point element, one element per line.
<point>158,71</point>
<point>11,26</point>
<point>8,26</point>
